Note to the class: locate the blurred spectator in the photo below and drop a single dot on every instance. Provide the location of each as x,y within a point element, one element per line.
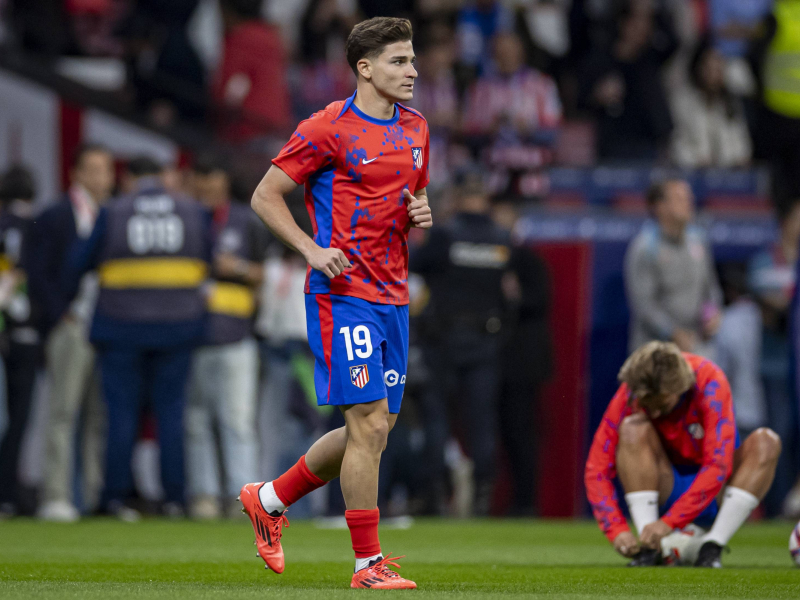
<point>42,26</point>
<point>436,96</point>
<point>250,86</point>
<point>738,351</point>
<point>435,92</point>
<point>735,24</point>
<point>94,23</point>
<point>547,26</point>
<point>288,366</point>
<point>164,67</point>
<point>622,86</point>
<point>224,381</point>
<point>476,25</point>
<point>23,354</point>
<point>387,8</point>
<point>777,57</point>
<point>590,26</point>
<point>771,280</point>
<point>516,98</point>
<point>670,279</point>
<point>151,250</point>
<point>324,28</point>
<point>324,74</point>
<point>464,263</point>
<point>70,358</point>
<point>710,126</point>
<point>527,364</point>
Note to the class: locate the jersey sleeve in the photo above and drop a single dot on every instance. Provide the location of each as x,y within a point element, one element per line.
<point>312,147</point>
<point>601,468</point>
<point>424,176</point>
<point>716,408</point>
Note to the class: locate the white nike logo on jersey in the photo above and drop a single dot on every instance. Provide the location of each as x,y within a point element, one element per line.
<point>364,161</point>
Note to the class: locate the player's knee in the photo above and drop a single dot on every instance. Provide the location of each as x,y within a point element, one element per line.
<point>373,432</point>
<point>634,431</point>
<point>766,446</point>
<point>378,435</point>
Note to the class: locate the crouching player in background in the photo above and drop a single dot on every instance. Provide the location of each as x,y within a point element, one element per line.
<point>670,436</point>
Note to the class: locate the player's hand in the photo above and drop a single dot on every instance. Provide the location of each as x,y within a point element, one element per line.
<point>418,210</point>
<point>229,265</point>
<point>711,325</point>
<point>651,535</point>
<point>625,543</point>
<point>330,261</point>
<point>685,339</point>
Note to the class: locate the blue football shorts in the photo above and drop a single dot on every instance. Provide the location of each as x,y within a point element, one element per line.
<point>683,477</point>
<point>360,350</point>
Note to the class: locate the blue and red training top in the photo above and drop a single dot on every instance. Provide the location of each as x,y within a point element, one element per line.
<point>355,168</point>
<point>700,431</point>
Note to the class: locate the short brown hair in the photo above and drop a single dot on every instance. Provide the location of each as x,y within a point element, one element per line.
<point>655,370</point>
<point>370,37</point>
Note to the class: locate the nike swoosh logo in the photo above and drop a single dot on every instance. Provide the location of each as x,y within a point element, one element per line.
<point>364,161</point>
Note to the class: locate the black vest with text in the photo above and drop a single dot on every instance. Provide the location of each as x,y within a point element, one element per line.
<point>153,264</point>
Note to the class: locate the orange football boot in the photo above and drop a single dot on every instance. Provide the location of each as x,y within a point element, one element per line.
<point>268,529</point>
<point>379,576</point>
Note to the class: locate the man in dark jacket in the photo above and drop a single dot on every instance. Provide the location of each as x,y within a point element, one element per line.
<point>74,386</point>
<point>622,85</point>
<point>464,264</point>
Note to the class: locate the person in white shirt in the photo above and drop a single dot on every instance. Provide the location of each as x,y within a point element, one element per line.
<point>710,127</point>
<point>287,364</point>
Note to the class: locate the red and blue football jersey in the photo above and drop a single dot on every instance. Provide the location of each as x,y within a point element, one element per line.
<point>700,431</point>
<point>355,168</point>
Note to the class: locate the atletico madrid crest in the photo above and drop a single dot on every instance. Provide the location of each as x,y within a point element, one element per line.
<point>359,376</point>
<point>416,154</point>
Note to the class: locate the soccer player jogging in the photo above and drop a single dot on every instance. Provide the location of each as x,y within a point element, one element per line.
<point>364,164</point>
<point>670,436</point>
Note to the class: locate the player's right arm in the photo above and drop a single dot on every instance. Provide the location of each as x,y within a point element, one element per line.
<point>269,203</point>
<point>601,470</point>
<point>312,147</point>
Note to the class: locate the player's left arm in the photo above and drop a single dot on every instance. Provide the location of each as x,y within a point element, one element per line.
<point>418,209</point>
<point>718,447</point>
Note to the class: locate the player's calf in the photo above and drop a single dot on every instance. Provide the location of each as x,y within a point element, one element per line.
<point>646,476</point>
<point>367,432</point>
<point>754,469</point>
<point>642,463</point>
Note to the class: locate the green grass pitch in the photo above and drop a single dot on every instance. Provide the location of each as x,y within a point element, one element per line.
<point>448,559</point>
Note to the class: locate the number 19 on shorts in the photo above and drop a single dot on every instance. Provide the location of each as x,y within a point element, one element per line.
<point>360,338</point>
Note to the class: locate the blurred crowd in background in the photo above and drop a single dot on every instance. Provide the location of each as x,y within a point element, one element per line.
<point>517,84</point>
<point>510,88</point>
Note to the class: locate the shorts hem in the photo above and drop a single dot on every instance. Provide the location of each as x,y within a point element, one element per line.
<point>366,401</point>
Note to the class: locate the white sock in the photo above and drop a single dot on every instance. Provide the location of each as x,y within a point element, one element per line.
<point>269,499</point>
<point>736,507</point>
<point>643,507</point>
<point>363,563</point>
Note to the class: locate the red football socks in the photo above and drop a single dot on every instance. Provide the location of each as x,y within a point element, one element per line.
<point>296,483</point>
<point>363,526</point>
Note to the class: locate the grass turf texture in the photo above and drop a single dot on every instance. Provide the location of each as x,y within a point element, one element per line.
<point>448,559</point>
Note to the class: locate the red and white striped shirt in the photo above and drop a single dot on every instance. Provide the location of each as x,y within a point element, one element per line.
<point>527,97</point>
<point>437,99</point>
